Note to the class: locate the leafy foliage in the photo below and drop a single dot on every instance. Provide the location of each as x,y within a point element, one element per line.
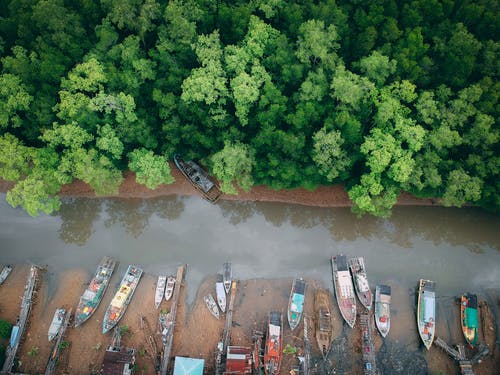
<point>380,96</point>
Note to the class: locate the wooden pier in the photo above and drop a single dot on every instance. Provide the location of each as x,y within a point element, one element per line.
<point>167,346</point>
<point>26,304</point>
<point>56,349</point>
<point>459,355</point>
<point>220,355</point>
<point>367,343</point>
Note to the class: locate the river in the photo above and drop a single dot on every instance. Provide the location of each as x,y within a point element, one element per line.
<point>457,248</point>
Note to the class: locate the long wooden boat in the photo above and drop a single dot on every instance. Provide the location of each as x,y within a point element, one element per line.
<point>165,322</point>
<point>221,295</point>
<point>57,322</point>
<point>227,276</point>
<point>296,302</point>
<point>92,296</point>
<point>383,309</point>
<point>426,311</point>
<point>324,332</point>
<point>344,290</point>
<point>211,305</point>
<point>5,273</point>
<point>358,270</point>
<point>273,350</point>
<point>199,178</point>
<point>122,298</point>
<point>469,318</point>
<point>160,290</point>
<point>169,288</point>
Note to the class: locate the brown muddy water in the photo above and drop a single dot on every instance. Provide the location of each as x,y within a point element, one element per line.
<point>457,248</point>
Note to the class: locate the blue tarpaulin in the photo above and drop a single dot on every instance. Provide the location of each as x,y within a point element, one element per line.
<point>188,366</point>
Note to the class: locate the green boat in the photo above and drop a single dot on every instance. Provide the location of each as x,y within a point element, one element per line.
<point>469,318</point>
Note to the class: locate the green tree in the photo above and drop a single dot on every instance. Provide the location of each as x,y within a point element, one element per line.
<point>14,101</point>
<point>461,188</point>
<point>331,159</point>
<point>232,164</point>
<point>151,170</point>
<point>377,67</point>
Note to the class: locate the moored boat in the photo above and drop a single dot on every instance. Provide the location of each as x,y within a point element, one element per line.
<point>199,178</point>
<point>211,305</point>
<point>274,344</point>
<point>426,311</point>
<point>324,332</point>
<point>221,295</point>
<point>57,322</point>
<point>296,302</point>
<point>169,288</point>
<point>5,273</point>
<point>227,276</point>
<point>383,309</point>
<point>344,290</point>
<point>122,298</point>
<point>165,321</point>
<point>160,290</point>
<point>358,270</point>
<point>92,296</point>
<point>469,318</point>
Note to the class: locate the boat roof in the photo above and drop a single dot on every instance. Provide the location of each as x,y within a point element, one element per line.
<point>297,304</point>
<point>471,300</point>
<point>471,317</point>
<point>384,289</point>
<point>300,286</point>
<point>188,366</point>
<point>341,261</point>
<point>274,330</point>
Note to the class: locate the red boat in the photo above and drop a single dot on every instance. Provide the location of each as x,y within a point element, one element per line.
<point>274,344</point>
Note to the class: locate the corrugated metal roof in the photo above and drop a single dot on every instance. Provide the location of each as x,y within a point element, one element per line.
<point>188,366</point>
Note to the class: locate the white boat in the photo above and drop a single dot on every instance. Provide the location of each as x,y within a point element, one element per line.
<point>5,273</point>
<point>344,289</point>
<point>426,311</point>
<point>221,296</point>
<point>358,271</point>
<point>227,276</point>
<point>211,305</point>
<point>169,288</point>
<point>160,290</point>
<point>383,309</point>
<point>57,322</point>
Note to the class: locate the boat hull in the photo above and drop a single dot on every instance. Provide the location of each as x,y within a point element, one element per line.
<point>274,344</point>
<point>211,305</point>
<point>344,289</point>
<point>221,296</point>
<point>122,298</point>
<point>92,296</point>
<point>160,290</point>
<point>169,288</point>
<point>296,303</point>
<point>426,311</point>
<point>358,270</point>
<point>5,273</point>
<point>324,325</point>
<point>383,309</point>
<point>56,324</point>
<point>227,276</point>
<point>469,318</point>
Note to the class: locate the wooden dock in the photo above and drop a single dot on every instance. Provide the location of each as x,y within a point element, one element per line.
<point>56,349</point>
<point>220,355</point>
<point>459,355</point>
<point>167,346</point>
<point>367,343</point>
<point>26,304</point>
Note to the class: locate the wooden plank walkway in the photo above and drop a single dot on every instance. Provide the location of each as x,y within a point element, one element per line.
<point>229,318</point>
<point>460,355</point>
<point>26,304</point>
<point>56,349</point>
<point>167,346</point>
<point>367,343</point>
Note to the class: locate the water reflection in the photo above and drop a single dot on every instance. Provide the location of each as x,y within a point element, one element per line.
<point>77,219</point>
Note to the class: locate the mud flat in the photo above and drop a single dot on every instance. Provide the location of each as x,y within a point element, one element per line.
<point>197,332</point>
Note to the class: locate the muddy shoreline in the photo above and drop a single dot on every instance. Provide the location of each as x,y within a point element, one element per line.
<point>322,196</point>
<point>197,332</point>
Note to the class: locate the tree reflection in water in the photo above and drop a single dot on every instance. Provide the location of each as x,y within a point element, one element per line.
<point>77,219</point>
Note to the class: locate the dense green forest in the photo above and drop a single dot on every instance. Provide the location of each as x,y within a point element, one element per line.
<point>380,96</point>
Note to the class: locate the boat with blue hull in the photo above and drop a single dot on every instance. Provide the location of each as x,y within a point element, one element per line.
<point>296,303</point>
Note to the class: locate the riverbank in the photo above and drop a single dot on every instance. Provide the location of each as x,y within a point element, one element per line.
<point>322,196</point>
<point>197,332</point>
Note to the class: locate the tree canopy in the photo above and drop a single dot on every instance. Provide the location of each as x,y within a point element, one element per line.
<point>380,96</point>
